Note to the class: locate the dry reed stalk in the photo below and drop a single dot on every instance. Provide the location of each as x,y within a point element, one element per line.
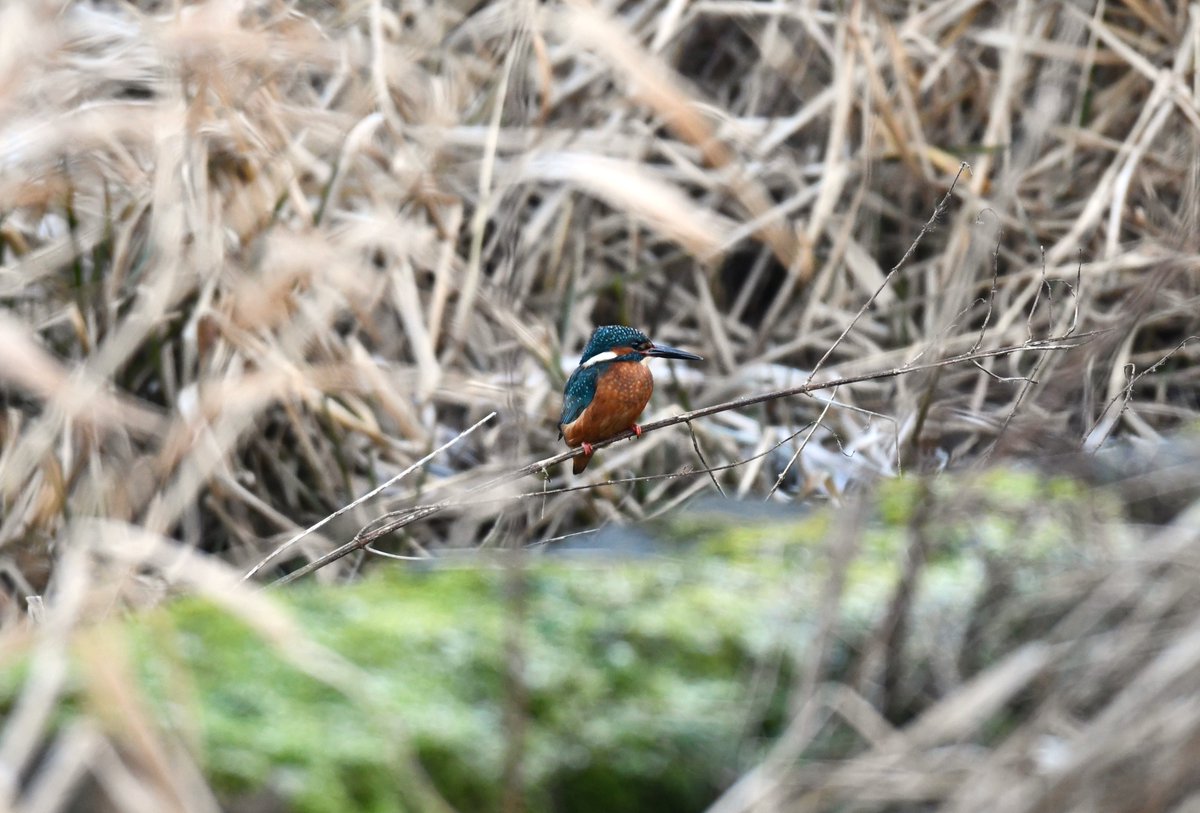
<point>257,259</point>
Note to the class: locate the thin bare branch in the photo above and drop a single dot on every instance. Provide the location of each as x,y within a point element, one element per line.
<point>392,522</point>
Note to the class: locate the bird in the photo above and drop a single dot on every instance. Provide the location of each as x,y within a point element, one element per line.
<point>611,386</point>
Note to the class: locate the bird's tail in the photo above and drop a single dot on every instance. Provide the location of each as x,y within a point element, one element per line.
<point>580,463</point>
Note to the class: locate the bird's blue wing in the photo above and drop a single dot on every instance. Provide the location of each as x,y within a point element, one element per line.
<point>581,388</point>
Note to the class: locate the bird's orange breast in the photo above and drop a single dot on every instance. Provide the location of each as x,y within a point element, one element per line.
<point>622,392</point>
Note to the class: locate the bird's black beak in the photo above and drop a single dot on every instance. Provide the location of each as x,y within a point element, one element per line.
<point>663,351</point>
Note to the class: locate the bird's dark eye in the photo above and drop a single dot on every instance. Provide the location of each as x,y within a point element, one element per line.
<point>644,345</point>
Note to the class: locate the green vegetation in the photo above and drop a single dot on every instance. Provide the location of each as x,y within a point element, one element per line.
<point>262,258</point>
<point>615,682</point>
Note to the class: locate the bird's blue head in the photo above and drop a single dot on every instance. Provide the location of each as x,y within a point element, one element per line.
<point>621,343</point>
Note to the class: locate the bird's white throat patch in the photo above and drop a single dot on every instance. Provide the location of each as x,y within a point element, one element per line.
<point>600,358</point>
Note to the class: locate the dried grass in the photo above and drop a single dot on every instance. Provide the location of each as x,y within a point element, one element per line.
<point>259,257</point>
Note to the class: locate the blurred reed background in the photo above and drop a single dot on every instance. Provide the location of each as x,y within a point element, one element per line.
<point>257,257</point>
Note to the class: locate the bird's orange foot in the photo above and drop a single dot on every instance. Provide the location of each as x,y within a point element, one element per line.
<point>637,430</point>
<point>587,449</point>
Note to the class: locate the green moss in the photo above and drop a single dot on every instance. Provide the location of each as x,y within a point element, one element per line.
<point>647,682</point>
<point>898,498</point>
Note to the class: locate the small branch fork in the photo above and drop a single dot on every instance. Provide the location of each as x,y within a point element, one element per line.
<point>386,484</point>
<point>394,521</point>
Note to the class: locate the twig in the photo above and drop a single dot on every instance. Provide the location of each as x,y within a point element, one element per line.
<point>393,521</point>
<point>1037,298</point>
<point>286,545</point>
<point>938,211</point>
<point>1095,437</point>
<point>991,300</point>
<point>802,389</point>
<point>703,462</point>
<point>812,429</point>
<point>1075,293</point>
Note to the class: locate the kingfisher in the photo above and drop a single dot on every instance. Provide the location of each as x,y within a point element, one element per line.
<point>610,387</point>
